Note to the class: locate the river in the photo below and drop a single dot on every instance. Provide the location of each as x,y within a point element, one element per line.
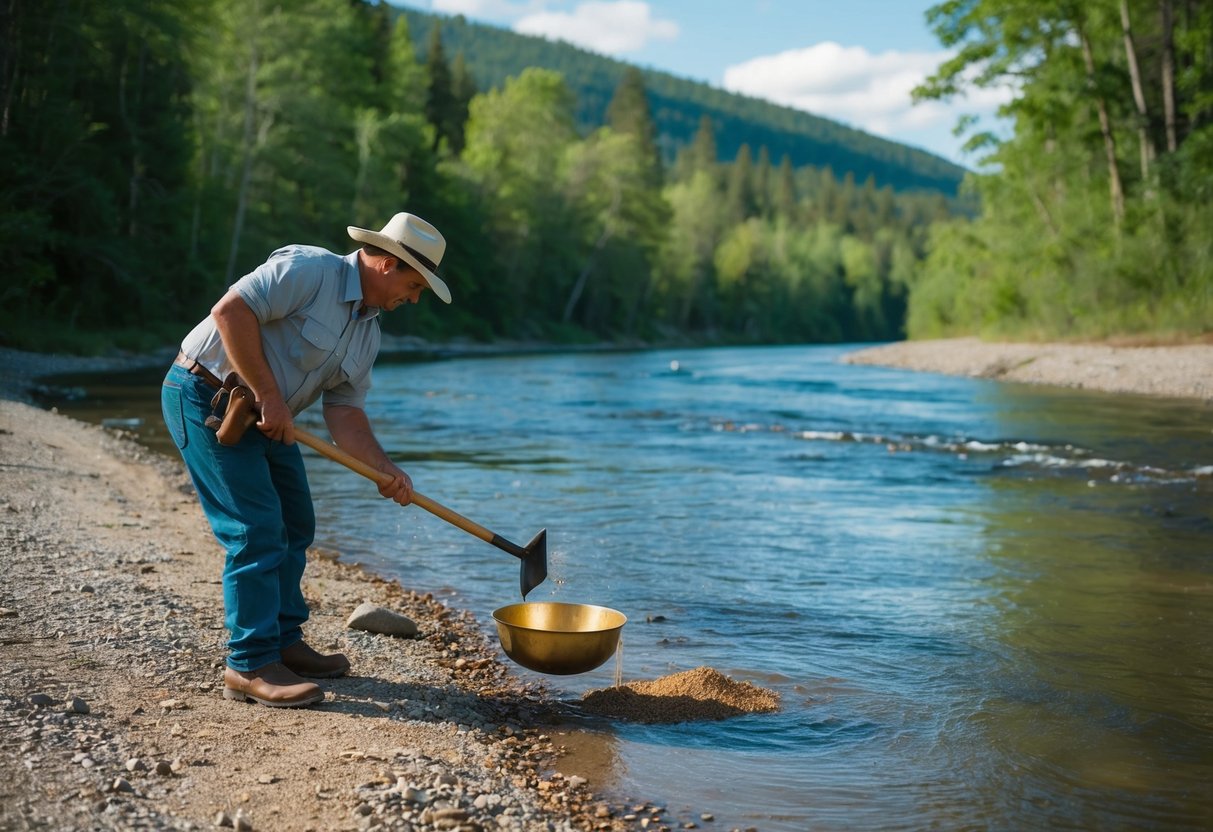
<point>984,605</point>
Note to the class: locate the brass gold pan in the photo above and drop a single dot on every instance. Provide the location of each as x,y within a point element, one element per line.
<point>559,639</point>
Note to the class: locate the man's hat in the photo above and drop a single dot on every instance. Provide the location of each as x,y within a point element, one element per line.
<point>414,241</point>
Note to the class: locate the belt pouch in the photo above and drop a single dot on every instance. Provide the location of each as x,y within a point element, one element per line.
<point>239,413</point>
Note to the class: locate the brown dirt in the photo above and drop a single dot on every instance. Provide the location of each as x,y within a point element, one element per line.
<point>702,693</point>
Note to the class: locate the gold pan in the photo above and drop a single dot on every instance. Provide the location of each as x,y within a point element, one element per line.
<point>560,639</point>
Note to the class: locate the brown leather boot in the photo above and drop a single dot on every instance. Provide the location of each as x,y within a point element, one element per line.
<point>273,684</point>
<point>307,662</point>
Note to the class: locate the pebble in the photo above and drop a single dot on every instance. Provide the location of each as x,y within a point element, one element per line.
<point>164,768</point>
<point>42,700</point>
<point>77,706</point>
<point>376,619</point>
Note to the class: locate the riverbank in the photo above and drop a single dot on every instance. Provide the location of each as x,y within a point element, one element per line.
<point>111,648</point>
<point>112,642</point>
<point>1178,371</point>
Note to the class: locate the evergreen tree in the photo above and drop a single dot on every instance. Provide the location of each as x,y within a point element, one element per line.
<point>441,106</point>
<point>740,203</point>
<point>629,113</point>
<point>785,190</point>
<point>463,90</point>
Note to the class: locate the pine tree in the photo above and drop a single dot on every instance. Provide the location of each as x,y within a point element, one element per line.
<point>441,108</point>
<point>629,113</point>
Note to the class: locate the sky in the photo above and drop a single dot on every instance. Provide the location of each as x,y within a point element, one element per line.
<point>853,61</point>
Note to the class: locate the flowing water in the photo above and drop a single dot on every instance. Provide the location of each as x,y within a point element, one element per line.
<point>985,606</point>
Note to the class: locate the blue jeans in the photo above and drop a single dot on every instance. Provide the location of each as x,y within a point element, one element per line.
<point>256,497</point>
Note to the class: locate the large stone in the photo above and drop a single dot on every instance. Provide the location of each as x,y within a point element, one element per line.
<point>375,619</point>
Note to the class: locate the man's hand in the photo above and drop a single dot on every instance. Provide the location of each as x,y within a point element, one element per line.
<point>276,422</point>
<point>400,488</point>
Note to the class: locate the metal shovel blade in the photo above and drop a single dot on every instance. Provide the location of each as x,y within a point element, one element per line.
<point>534,570</point>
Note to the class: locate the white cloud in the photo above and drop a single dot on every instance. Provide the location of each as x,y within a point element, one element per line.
<point>852,85</point>
<point>611,28</point>
<point>488,9</point>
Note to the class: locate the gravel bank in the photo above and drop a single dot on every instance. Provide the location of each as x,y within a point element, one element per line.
<point>1184,371</point>
<point>111,649</point>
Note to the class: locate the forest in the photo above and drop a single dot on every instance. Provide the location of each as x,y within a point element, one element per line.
<point>1097,214</point>
<point>678,105</point>
<point>151,153</point>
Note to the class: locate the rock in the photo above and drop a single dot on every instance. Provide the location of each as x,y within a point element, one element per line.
<point>375,619</point>
<point>412,794</point>
<point>121,784</point>
<point>223,819</point>
<point>41,700</point>
<point>77,706</point>
<point>164,768</point>
<point>577,780</point>
<point>449,814</point>
<point>135,764</point>
<point>243,822</point>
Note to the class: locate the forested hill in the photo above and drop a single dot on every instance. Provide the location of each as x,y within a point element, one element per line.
<point>678,104</point>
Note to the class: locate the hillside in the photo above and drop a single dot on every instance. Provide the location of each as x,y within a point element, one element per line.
<point>494,54</point>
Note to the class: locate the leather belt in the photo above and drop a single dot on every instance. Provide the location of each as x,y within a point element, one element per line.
<point>183,360</point>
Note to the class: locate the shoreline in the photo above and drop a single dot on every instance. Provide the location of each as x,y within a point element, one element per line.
<point>1183,371</point>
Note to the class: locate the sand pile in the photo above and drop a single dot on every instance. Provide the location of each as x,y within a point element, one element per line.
<point>702,693</point>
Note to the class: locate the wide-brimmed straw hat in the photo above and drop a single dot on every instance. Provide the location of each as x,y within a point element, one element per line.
<point>413,240</point>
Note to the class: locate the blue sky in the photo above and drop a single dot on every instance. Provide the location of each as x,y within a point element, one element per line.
<point>854,61</point>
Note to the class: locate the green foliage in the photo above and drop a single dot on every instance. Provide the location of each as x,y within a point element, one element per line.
<point>154,152</point>
<point>1096,212</point>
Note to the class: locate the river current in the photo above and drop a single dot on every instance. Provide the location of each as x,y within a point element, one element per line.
<point>984,605</point>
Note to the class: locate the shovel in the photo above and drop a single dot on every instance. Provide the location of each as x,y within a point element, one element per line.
<point>534,568</point>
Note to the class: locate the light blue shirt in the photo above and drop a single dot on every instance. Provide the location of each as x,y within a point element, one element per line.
<point>306,300</point>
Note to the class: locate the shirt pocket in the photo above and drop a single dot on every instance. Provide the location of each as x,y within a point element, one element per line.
<point>316,343</point>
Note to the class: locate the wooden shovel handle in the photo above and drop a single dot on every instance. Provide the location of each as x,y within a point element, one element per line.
<point>375,475</point>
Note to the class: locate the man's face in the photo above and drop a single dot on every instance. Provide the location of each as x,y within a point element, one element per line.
<point>397,286</point>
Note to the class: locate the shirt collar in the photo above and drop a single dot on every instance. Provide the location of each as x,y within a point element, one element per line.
<point>352,292</point>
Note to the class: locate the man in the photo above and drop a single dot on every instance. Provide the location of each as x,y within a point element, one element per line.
<point>302,326</point>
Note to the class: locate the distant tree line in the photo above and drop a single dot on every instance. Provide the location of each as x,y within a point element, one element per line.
<point>678,105</point>
<point>153,152</point>
<point>1098,212</point>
